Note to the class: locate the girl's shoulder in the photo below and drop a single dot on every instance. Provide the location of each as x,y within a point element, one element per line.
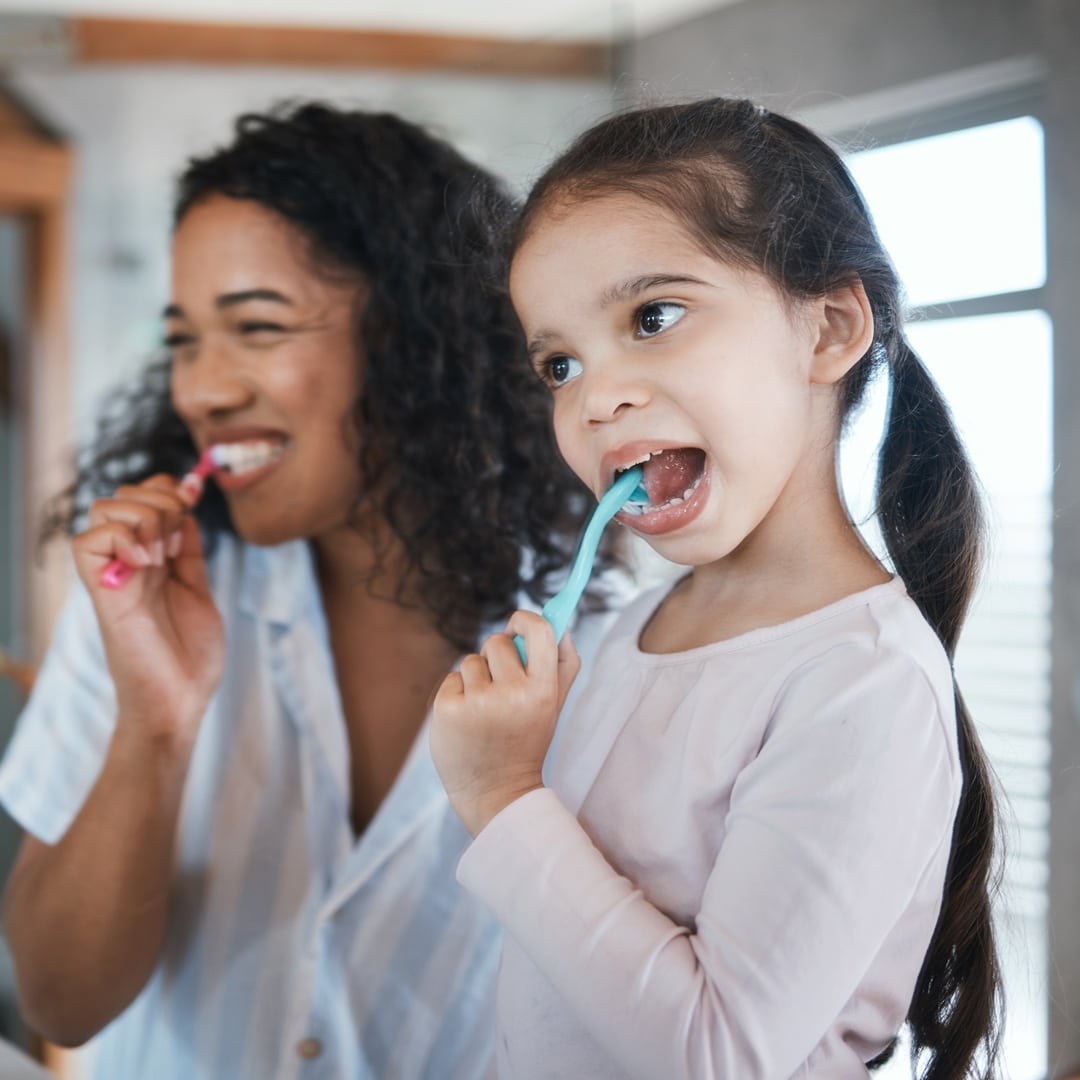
<point>883,614</point>
<point>876,638</point>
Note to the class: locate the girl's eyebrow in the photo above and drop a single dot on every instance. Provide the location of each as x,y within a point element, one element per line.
<point>619,293</point>
<point>540,343</point>
<point>627,290</point>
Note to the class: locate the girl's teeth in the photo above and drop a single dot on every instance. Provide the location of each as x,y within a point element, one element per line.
<point>649,508</point>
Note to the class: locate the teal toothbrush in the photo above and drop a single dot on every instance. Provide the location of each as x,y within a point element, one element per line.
<point>559,609</point>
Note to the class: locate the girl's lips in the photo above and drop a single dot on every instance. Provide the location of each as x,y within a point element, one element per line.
<point>661,521</point>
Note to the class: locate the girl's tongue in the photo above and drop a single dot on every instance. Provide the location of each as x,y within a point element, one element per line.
<point>671,473</point>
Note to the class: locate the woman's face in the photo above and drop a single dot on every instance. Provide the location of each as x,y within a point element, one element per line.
<point>264,357</point>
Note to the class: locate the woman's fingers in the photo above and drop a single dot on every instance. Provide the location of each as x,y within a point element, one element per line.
<point>112,540</point>
<point>153,513</point>
<point>186,551</point>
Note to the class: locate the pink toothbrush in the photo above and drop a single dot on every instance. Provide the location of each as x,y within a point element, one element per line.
<point>191,488</point>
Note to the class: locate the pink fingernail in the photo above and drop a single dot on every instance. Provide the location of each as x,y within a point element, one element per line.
<point>176,542</point>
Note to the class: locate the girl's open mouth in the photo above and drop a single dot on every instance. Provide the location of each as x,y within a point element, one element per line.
<point>677,483</point>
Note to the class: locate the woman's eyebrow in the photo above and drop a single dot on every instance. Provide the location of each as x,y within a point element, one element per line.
<point>226,300</point>
<point>231,299</point>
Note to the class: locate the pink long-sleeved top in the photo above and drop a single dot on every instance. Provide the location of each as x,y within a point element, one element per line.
<point>738,863</point>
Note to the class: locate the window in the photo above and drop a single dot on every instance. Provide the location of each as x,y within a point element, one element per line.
<point>962,213</point>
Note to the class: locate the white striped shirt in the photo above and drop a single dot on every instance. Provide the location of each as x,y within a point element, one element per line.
<point>294,950</point>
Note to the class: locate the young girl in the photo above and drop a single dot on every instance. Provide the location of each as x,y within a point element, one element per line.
<point>766,837</point>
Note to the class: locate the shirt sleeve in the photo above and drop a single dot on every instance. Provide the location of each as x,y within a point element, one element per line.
<point>830,829</point>
<point>58,749</point>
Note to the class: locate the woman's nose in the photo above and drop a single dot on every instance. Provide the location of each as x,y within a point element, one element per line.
<point>208,383</point>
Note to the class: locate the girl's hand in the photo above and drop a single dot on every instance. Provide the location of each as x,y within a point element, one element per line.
<point>493,720</point>
<point>163,636</point>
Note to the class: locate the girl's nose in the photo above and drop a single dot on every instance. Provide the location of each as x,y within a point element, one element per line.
<point>611,391</point>
<point>208,384</point>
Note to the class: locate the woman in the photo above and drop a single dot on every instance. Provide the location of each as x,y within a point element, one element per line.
<point>240,858</point>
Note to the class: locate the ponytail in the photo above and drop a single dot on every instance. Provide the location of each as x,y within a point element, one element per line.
<point>931,518</point>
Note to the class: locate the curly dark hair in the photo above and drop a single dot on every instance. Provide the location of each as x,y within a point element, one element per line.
<point>453,425</point>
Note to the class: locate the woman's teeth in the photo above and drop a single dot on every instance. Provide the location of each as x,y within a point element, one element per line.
<point>643,509</point>
<point>240,458</point>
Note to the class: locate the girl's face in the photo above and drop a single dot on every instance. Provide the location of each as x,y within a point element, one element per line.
<point>659,352</point>
<point>264,355</point>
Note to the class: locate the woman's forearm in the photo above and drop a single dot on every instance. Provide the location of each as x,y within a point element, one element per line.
<point>86,917</point>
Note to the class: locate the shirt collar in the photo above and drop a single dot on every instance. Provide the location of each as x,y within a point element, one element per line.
<point>277,583</point>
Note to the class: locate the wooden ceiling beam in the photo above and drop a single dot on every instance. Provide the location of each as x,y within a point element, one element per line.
<point>152,41</point>
<point>32,173</point>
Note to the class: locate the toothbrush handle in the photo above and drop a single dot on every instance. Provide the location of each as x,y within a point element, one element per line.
<point>115,574</point>
<point>557,611</point>
<point>560,608</point>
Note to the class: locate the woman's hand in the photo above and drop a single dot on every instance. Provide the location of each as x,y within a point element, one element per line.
<point>163,636</point>
<point>493,720</point>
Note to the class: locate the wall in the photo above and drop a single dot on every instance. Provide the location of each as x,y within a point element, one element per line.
<point>843,62</point>
<point>134,127</point>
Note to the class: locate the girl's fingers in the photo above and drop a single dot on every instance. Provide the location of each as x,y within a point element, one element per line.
<point>475,674</point>
<point>569,664</point>
<point>453,688</point>
<point>540,646</point>
<point>502,657</point>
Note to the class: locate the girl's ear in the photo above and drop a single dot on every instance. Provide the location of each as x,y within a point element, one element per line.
<point>845,326</point>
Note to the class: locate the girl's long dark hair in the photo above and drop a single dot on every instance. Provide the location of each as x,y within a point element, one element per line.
<point>762,191</point>
<point>454,429</point>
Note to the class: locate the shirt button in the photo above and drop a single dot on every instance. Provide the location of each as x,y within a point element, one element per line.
<point>309,1049</point>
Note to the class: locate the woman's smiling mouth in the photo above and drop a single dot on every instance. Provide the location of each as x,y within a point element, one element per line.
<point>247,461</point>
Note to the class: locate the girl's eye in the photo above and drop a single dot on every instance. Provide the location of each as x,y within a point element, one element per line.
<point>654,317</point>
<point>559,370</point>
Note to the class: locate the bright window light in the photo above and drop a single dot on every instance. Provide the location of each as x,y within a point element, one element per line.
<point>963,216</point>
<point>962,213</point>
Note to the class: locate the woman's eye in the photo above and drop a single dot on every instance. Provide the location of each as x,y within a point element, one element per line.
<point>260,328</point>
<point>175,341</point>
<point>559,370</point>
<point>652,318</point>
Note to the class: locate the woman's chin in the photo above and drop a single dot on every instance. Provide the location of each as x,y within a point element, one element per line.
<point>266,533</point>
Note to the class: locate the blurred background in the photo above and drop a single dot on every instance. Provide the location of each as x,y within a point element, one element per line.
<point>960,119</point>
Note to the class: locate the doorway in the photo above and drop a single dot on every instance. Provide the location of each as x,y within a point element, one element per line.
<point>34,424</point>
